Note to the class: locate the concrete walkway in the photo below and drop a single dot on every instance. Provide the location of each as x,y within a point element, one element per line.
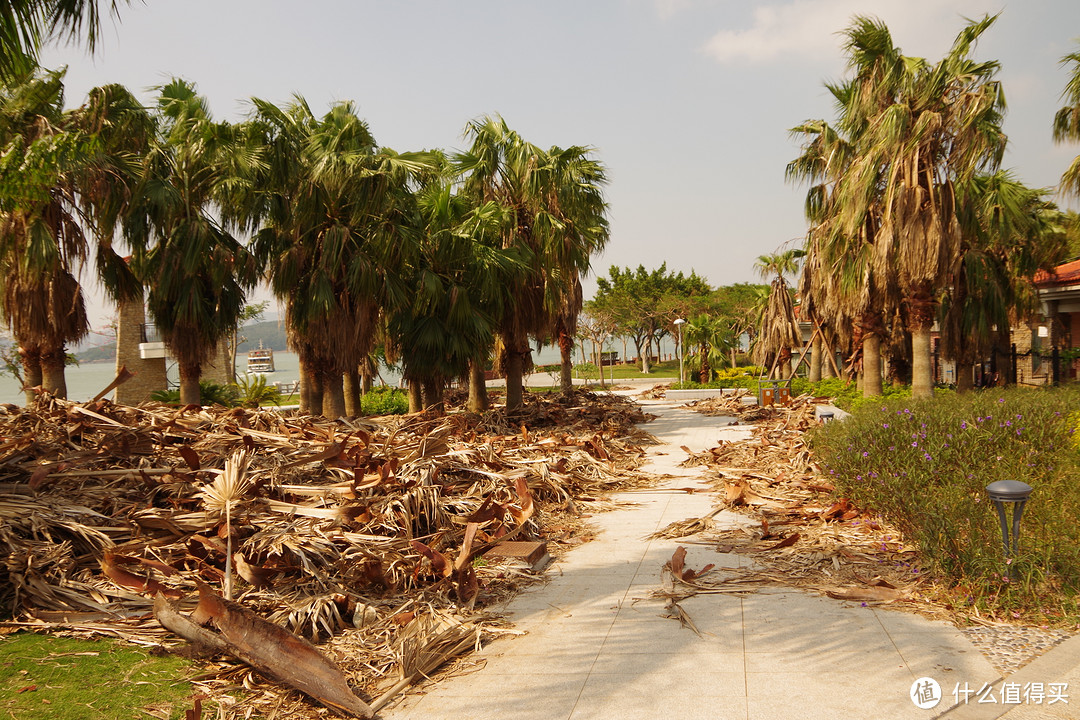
<point>596,647</point>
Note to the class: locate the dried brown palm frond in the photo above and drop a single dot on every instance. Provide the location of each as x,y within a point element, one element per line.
<point>779,329</point>
<point>220,496</point>
<point>425,644</point>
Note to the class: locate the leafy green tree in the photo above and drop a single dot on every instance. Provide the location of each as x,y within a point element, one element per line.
<point>643,304</point>
<point>735,306</point>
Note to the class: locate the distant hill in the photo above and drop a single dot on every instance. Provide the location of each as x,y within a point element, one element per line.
<point>270,333</point>
<point>98,354</point>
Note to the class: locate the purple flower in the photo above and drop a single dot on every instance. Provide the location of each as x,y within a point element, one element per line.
<point>865,454</point>
<point>927,456</point>
<point>915,444</point>
<point>1001,400</point>
<point>963,425</point>
<point>885,425</point>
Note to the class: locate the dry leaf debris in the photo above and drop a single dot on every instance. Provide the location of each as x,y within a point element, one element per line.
<point>800,535</point>
<point>344,532</point>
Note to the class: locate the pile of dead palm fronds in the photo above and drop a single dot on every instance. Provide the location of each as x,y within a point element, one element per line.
<point>733,406</point>
<point>793,527</point>
<point>322,527</point>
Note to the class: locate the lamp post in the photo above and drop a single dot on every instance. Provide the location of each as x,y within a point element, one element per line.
<point>1017,493</point>
<point>678,329</point>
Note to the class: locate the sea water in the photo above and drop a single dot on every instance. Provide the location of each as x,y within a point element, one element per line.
<point>88,379</point>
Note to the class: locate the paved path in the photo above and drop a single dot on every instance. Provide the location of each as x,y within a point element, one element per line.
<point>596,647</point>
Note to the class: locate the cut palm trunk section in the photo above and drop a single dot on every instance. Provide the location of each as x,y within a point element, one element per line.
<point>268,648</point>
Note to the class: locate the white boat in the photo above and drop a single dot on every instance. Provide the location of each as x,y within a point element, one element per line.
<point>260,360</point>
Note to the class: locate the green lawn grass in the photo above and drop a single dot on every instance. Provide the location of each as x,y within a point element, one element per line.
<point>45,677</point>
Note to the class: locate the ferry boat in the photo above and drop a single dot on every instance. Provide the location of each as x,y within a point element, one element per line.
<point>260,360</point>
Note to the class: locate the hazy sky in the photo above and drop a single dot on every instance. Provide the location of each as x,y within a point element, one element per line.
<point>687,102</point>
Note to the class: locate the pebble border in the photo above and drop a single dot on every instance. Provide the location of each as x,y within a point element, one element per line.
<point>1009,648</point>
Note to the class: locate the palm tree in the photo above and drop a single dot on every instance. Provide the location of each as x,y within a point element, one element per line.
<point>338,225</point>
<point>558,222</point>
<point>1067,123</point>
<point>448,324</point>
<point>197,273</point>
<point>26,24</point>
<point>41,239</point>
<point>1006,239</point>
<point>68,173</point>
<point>714,338</point>
<point>576,187</point>
<point>941,126</point>
<point>841,291</point>
<point>779,327</point>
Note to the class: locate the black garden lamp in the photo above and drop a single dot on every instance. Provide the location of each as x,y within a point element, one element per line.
<point>1017,493</point>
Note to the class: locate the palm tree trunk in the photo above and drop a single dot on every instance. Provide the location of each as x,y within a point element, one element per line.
<point>351,382</point>
<point>706,372</point>
<point>922,385</point>
<point>416,399</point>
<point>315,393</point>
<point>871,365</point>
<point>566,376</point>
<point>478,399</point>
<point>965,376</point>
<point>52,372</point>
<point>815,359</point>
<point>367,372</point>
<point>190,394</point>
<point>305,389</point>
<point>433,396</point>
<point>828,358</point>
<point>645,356</point>
<point>333,402</point>
<point>515,360</point>
<point>31,362</point>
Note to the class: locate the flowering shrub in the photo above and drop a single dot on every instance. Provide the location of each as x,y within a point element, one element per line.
<point>925,466</point>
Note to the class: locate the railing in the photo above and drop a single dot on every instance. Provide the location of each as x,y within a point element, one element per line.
<point>148,332</point>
